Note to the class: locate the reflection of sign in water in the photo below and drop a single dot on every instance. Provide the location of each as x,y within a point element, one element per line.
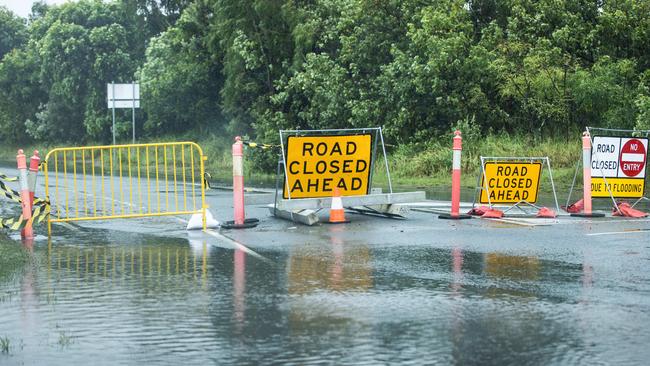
<point>509,266</point>
<point>510,182</point>
<point>341,269</point>
<point>316,165</point>
<point>621,162</point>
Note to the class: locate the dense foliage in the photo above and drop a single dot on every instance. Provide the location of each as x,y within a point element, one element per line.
<point>416,67</point>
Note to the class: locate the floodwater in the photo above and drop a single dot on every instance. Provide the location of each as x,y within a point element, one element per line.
<point>111,298</point>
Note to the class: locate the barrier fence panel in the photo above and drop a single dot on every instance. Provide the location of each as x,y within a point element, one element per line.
<point>125,181</point>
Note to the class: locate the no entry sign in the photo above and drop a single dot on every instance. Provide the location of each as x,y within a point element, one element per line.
<point>633,157</point>
<point>618,164</point>
<point>316,165</point>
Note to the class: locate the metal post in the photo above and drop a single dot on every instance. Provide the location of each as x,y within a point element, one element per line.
<point>113,105</point>
<point>133,108</point>
<point>390,184</point>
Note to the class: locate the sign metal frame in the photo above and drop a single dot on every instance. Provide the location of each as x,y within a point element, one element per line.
<point>375,140</point>
<point>543,160</point>
<point>630,134</point>
<point>370,163</point>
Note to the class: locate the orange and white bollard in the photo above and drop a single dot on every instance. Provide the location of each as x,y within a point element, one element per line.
<point>586,179</point>
<point>240,222</point>
<point>34,163</point>
<point>455,181</point>
<point>238,180</point>
<point>21,160</point>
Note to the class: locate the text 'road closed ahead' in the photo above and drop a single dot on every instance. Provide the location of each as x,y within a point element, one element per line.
<point>316,165</point>
<point>510,182</point>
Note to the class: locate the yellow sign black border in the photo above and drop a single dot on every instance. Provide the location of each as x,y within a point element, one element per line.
<point>483,185</point>
<point>370,169</point>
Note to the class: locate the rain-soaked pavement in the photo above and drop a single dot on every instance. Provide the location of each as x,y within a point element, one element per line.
<point>375,291</point>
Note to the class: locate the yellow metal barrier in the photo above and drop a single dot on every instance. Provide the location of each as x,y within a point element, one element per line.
<point>125,181</point>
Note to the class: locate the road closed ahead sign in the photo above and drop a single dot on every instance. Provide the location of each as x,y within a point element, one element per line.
<point>316,165</point>
<point>618,164</point>
<point>509,182</point>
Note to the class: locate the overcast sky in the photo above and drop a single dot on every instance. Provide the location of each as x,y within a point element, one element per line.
<point>23,7</point>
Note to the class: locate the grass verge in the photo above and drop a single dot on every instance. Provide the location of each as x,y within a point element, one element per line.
<point>411,165</point>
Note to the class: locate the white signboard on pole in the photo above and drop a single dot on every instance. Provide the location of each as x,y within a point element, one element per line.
<point>123,95</point>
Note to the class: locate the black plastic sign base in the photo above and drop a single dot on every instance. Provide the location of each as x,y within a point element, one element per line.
<point>248,223</point>
<point>338,222</point>
<point>593,214</point>
<point>447,216</point>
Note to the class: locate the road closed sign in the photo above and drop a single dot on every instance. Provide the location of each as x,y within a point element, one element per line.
<point>618,164</point>
<point>508,182</point>
<point>316,165</point>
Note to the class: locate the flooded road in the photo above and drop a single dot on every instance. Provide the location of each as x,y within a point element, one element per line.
<point>375,291</point>
<point>333,295</point>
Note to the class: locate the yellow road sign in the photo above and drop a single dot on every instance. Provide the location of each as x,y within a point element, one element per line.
<point>620,187</point>
<point>511,182</point>
<point>316,165</point>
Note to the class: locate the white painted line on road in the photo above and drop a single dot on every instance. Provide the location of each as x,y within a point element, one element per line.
<point>637,231</point>
<point>238,245</point>
<point>527,222</point>
<point>235,243</point>
<point>600,221</point>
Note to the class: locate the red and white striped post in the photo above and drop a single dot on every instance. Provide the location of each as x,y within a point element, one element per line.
<point>21,160</point>
<point>34,163</point>
<point>455,181</point>
<point>586,178</point>
<point>238,180</point>
<point>240,221</point>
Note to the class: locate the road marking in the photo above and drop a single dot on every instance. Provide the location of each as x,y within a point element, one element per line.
<point>635,231</point>
<point>215,234</point>
<point>238,245</point>
<point>600,221</point>
<point>235,243</point>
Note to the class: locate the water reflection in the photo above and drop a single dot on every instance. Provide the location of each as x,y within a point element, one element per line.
<point>122,261</point>
<point>334,300</point>
<point>339,267</point>
<point>512,266</point>
<point>239,288</point>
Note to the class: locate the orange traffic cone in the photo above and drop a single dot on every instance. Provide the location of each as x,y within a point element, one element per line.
<point>337,213</point>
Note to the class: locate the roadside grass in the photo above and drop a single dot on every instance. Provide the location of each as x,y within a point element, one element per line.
<point>411,165</point>
<point>5,345</point>
<point>12,257</point>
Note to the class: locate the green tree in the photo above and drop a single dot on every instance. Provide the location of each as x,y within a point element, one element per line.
<point>13,31</point>
<point>21,92</point>
<point>181,79</point>
<point>81,47</point>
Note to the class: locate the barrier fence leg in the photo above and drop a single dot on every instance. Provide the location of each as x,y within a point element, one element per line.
<point>240,221</point>
<point>21,160</point>
<point>586,179</point>
<point>455,181</point>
